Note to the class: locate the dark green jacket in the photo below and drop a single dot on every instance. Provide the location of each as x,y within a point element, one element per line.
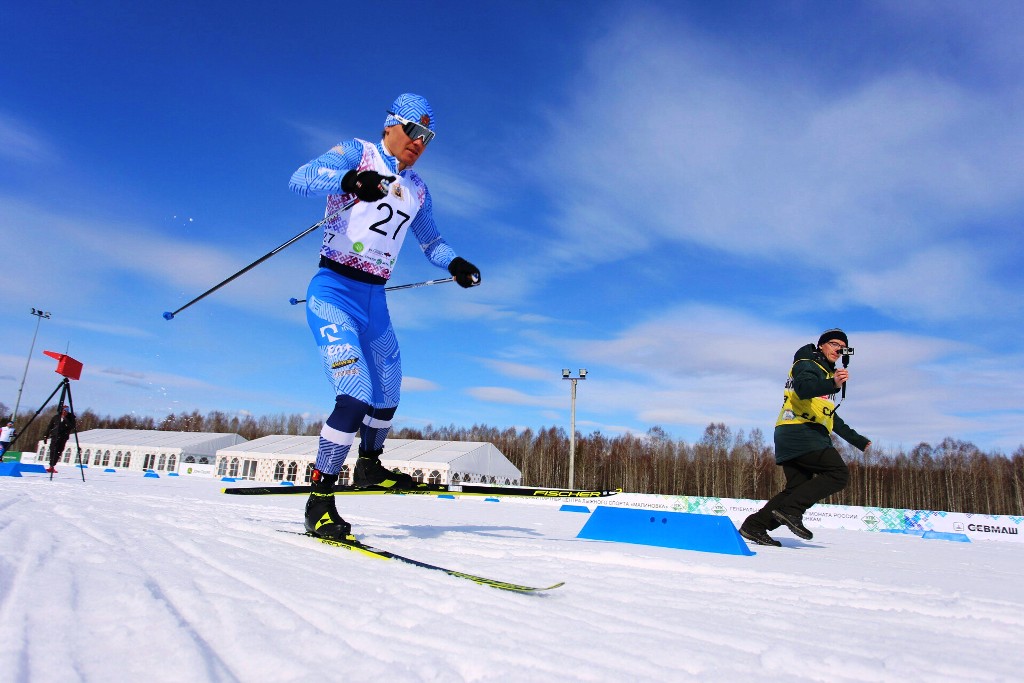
<point>794,440</point>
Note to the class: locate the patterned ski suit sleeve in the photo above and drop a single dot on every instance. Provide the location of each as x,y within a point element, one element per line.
<point>322,176</point>
<point>423,227</point>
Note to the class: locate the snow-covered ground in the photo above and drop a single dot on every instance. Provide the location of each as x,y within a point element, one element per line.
<point>125,578</point>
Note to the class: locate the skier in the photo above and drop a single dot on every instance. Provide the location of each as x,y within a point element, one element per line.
<point>346,307</point>
<point>60,428</point>
<point>6,437</point>
<point>803,444</point>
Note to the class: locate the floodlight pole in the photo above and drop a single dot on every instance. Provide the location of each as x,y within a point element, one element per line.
<point>572,422</point>
<point>39,318</point>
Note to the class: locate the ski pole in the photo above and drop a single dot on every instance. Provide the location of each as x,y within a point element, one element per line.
<point>412,285</point>
<point>168,315</point>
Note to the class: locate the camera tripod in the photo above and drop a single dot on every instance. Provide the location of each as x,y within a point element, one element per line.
<point>64,387</point>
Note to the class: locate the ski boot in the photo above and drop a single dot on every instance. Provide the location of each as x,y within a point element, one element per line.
<point>369,472</point>
<point>322,518</point>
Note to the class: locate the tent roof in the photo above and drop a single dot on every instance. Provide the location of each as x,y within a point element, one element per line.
<point>469,456</point>
<point>188,442</point>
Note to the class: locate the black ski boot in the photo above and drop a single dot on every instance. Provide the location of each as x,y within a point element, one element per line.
<point>369,472</point>
<point>322,518</point>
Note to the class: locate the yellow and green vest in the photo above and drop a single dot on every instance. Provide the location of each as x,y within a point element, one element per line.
<point>816,410</point>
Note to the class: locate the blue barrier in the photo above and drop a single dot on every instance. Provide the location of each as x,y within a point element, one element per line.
<point>228,479</point>
<point>287,483</point>
<point>110,469</point>
<point>706,533</point>
<point>32,467</point>
<point>492,500</point>
<point>172,474</point>
<point>574,508</point>
<point>446,495</point>
<point>151,475</point>
<point>946,536</point>
<point>10,469</point>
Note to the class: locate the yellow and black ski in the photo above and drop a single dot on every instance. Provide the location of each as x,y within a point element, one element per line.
<point>370,551</point>
<point>428,490</point>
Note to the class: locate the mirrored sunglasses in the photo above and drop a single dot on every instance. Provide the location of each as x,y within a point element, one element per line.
<point>414,130</point>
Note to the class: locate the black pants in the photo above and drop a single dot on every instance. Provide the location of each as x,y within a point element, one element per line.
<point>812,477</point>
<point>56,451</point>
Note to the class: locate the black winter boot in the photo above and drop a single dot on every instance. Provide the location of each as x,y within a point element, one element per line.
<point>758,536</point>
<point>322,518</point>
<point>369,472</point>
<point>795,524</point>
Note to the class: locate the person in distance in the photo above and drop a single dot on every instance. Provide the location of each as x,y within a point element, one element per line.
<point>346,305</point>
<point>803,443</point>
<point>60,429</point>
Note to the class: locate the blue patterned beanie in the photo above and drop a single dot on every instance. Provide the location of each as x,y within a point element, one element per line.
<point>413,108</point>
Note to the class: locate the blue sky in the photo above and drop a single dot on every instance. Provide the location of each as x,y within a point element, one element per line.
<point>672,195</point>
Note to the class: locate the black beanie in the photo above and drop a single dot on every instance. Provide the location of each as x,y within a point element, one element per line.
<point>834,333</point>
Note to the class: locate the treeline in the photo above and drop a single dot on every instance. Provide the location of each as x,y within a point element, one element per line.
<point>954,476</point>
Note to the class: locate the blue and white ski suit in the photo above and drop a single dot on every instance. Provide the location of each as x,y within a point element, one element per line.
<point>346,306</point>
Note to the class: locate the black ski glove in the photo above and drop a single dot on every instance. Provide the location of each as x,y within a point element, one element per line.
<point>466,274</point>
<point>369,186</point>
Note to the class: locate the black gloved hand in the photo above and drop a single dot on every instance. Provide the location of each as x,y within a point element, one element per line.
<point>466,274</point>
<point>369,186</point>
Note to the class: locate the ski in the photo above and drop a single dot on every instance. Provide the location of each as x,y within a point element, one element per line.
<point>427,489</point>
<point>370,551</point>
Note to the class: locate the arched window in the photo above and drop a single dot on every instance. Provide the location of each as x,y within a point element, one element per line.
<point>279,470</point>
<point>189,459</point>
<point>293,471</point>
<point>148,461</point>
<point>435,477</point>
<point>222,467</point>
<point>127,459</point>
<point>455,478</point>
<point>67,455</point>
<point>96,460</point>
<point>106,457</point>
<point>171,462</point>
<point>417,475</point>
<point>117,459</point>
<point>233,469</point>
<point>203,460</point>
<point>309,473</point>
<point>343,476</point>
<point>507,482</point>
<point>161,462</point>
<point>85,456</point>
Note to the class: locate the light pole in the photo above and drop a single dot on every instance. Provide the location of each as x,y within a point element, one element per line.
<point>39,318</point>
<point>572,427</point>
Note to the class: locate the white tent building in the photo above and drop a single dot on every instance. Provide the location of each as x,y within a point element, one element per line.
<point>145,449</point>
<point>291,458</point>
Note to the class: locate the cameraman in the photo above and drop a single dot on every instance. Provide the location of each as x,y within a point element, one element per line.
<point>803,444</point>
<point>59,430</point>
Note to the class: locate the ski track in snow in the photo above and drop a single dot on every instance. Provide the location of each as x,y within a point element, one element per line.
<point>122,578</point>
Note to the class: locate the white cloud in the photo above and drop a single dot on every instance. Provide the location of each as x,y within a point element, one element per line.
<point>671,137</point>
<point>937,283</point>
<point>18,142</point>
<point>507,396</point>
<point>418,384</point>
<point>517,370</point>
